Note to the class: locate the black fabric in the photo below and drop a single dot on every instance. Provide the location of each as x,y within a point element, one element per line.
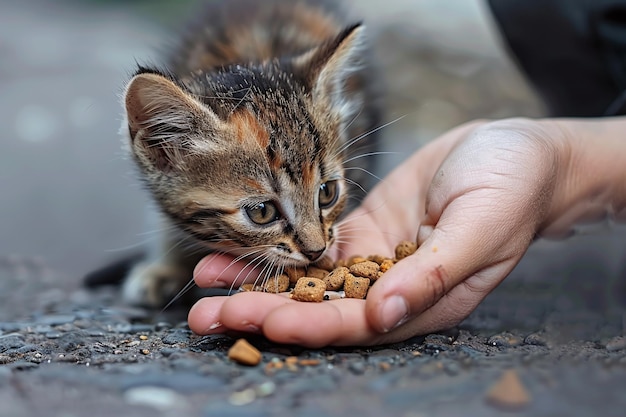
<point>573,51</point>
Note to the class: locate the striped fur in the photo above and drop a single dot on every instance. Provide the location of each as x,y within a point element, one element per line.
<point>256,106</point>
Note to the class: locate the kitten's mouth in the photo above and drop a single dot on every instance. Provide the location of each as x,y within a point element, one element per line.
<point>291,261</point>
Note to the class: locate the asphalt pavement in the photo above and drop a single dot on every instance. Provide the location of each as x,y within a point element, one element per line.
<point>70,201</point>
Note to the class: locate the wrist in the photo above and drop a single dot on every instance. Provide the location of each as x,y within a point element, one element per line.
<point>591,180</point>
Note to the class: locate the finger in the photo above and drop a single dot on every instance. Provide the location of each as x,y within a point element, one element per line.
<point>454,307</point>
<point>332,323</point>
<point>219,270</point>
<point>423,233</point>
<point>467,238</point>
<point>204,316</point>
<point>280,319</point>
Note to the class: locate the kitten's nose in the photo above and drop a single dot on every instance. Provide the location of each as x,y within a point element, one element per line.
<point>312,255</point>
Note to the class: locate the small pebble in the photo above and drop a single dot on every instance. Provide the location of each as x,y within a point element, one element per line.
<point>23,365</point>
<point>309,362</point>
<point>162,325</point>
<point>265,389</point>
<point>30,347</point>
<point>56,319</point>
<point>504,340</point>
<point>357,367</point>
<point>439,339</point>
<point>176,336</point>
<point>141,328</point>
<point>242,397</point>
<point>536,339</point>
<point>508,392</point>
<point>11,341</point>
<point>615,344</point>
<point>156,397</point>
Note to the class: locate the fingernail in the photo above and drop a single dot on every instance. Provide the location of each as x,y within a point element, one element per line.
<point>215,325</point>
<point>394,312</point>
<point>204,270</point>
<point>251,327</point>
<point>423,233</point>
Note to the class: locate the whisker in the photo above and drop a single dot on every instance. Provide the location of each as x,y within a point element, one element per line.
<point>180,293</point>
<point>364,135</point>
<point>365,155</point>
<point>256,261</point>
<point>356,116</point>
<point>356,184</point>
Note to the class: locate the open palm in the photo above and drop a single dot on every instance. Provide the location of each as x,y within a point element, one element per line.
<point>474,199</point>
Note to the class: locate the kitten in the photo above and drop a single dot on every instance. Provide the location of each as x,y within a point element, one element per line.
<point>243,141</point>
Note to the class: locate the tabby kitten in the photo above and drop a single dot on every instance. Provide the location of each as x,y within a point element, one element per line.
<point>243,140</point>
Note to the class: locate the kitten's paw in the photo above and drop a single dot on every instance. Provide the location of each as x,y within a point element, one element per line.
<point>153,285</point>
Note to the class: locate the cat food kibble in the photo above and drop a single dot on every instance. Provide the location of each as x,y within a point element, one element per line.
<point>404,249</point>
<point>356,287</point>
<point>325,263</point>
<point>294,274</point>
<point>315,272</point>
<point>366,269</point>
<point>334,281</point>
<point>328,280</point>
<point>385,265</point>
<point>309,289</point>
<point>376,258</point>
<point>244,353</point>
<point>277,284</point>
<point>355,260</point>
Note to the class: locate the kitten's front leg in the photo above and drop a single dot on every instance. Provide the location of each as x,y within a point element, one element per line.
<point>168,267</point>
<point>154,284</point>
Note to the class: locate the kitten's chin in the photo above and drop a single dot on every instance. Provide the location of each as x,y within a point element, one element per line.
<point>297,259</point>
<point>291,261</point>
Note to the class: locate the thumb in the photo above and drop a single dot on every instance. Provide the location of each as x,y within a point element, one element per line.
<point>466,239</point>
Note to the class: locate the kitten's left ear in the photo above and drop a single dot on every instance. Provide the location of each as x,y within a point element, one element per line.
<point>330,70</point>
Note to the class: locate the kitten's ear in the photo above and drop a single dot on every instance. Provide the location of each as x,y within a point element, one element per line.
<point>162,119</point>
<point>330,70</point>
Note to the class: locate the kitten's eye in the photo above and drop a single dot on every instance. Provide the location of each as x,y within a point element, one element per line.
<point>263,213</point>
<point>328,194</point>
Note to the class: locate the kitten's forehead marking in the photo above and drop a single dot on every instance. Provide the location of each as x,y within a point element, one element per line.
<point>247,128</point>
<point>297,195</point>
<point>198,198</point>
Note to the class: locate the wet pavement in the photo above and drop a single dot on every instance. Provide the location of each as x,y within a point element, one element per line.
<point>70,202</point>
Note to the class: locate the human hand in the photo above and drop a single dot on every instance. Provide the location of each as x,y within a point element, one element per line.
<point>475,198</point>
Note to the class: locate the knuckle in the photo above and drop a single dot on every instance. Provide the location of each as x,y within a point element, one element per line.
<point>437,284</point>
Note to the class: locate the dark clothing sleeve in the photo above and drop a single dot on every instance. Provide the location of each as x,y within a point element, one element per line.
<point>572,51</point>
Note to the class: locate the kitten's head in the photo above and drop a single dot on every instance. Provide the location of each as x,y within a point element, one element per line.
<point>249,158</point>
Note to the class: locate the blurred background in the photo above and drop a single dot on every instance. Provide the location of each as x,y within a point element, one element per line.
<point>69,198</point>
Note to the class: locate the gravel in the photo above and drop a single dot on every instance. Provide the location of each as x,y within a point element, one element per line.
<point>558,322</point>
<point>88,347</point>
